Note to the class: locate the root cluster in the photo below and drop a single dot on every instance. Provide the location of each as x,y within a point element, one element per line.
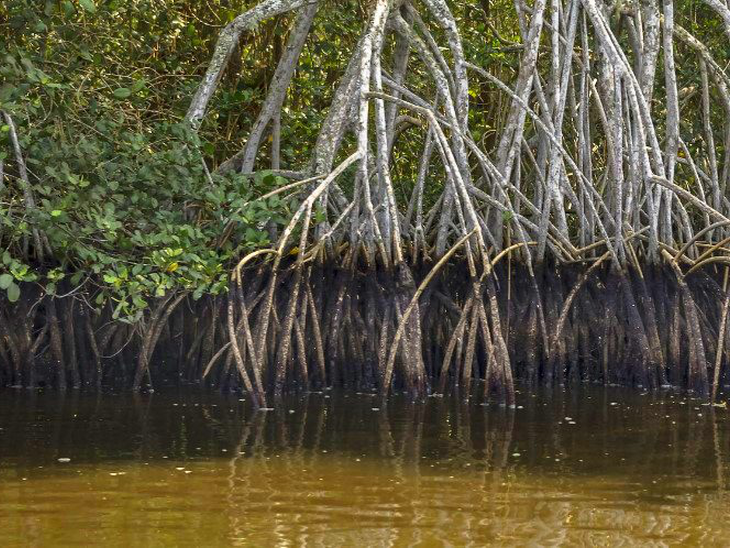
<point>320,326</point>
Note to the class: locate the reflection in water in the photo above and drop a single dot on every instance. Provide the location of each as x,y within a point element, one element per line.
<point>585,467</point>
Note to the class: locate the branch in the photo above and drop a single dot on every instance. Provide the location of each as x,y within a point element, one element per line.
<point>227,41</point>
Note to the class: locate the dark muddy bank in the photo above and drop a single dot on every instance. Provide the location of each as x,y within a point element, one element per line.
<point>327,327</point>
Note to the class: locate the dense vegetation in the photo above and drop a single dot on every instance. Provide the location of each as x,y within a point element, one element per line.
<point>126,197</point>
<point>146,147</point>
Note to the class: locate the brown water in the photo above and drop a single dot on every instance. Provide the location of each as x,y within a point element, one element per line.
<point>587,467</point>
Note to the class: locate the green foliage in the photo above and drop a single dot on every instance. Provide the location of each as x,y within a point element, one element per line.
<point>135,214</point>
<point>13,272</point>
<point>122,194</point>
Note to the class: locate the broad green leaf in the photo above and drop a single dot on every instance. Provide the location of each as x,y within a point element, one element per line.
<point>122,93</point>
<point>68,8</point>
<point>88,5</point>
<point>138,85</point>
<point>13,292</point>
<point>5,281</point>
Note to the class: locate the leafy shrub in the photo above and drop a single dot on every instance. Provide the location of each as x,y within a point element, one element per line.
<point>134,213</point>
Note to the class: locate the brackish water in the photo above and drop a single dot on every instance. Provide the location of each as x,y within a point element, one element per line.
<point>583,467</point>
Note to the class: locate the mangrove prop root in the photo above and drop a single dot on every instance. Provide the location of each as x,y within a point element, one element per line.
<point>428,331</point>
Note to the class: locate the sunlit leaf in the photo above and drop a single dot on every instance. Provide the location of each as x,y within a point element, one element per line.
<point>122,93</point>
<point>88,5</point>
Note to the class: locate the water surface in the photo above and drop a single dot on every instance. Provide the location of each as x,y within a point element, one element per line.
<point>589,466</point>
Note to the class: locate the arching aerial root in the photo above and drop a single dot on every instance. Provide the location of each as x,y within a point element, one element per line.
<point>362,328</point>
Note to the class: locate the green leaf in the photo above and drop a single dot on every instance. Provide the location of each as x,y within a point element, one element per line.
<point>68,8</point>
<point>5,281</point>
<point>88,5</point>
<point>86,54</point>
<point>122,93</point>
<point>6,93</point>
<point>138,85</point>
<point>56,213</point>
<point>13,292</point>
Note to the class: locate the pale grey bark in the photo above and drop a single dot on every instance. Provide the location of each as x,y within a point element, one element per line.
<point>512,134</point>
<point>370,46</point>
<point>670,83</point>
<point>225,46</point>
<point>400,69</point>
<point>342,113</point>
<point>271,109</point>
<point>445,18</point>
<point>560,93</point>
<point>709,138</point>
<point>723,11</point>
<point>452,114</point>
<point>579,140</point>
<point>651,43</point>
<point>28,194</point>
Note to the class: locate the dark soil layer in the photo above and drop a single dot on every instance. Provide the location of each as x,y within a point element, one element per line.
<point>324,326</point>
